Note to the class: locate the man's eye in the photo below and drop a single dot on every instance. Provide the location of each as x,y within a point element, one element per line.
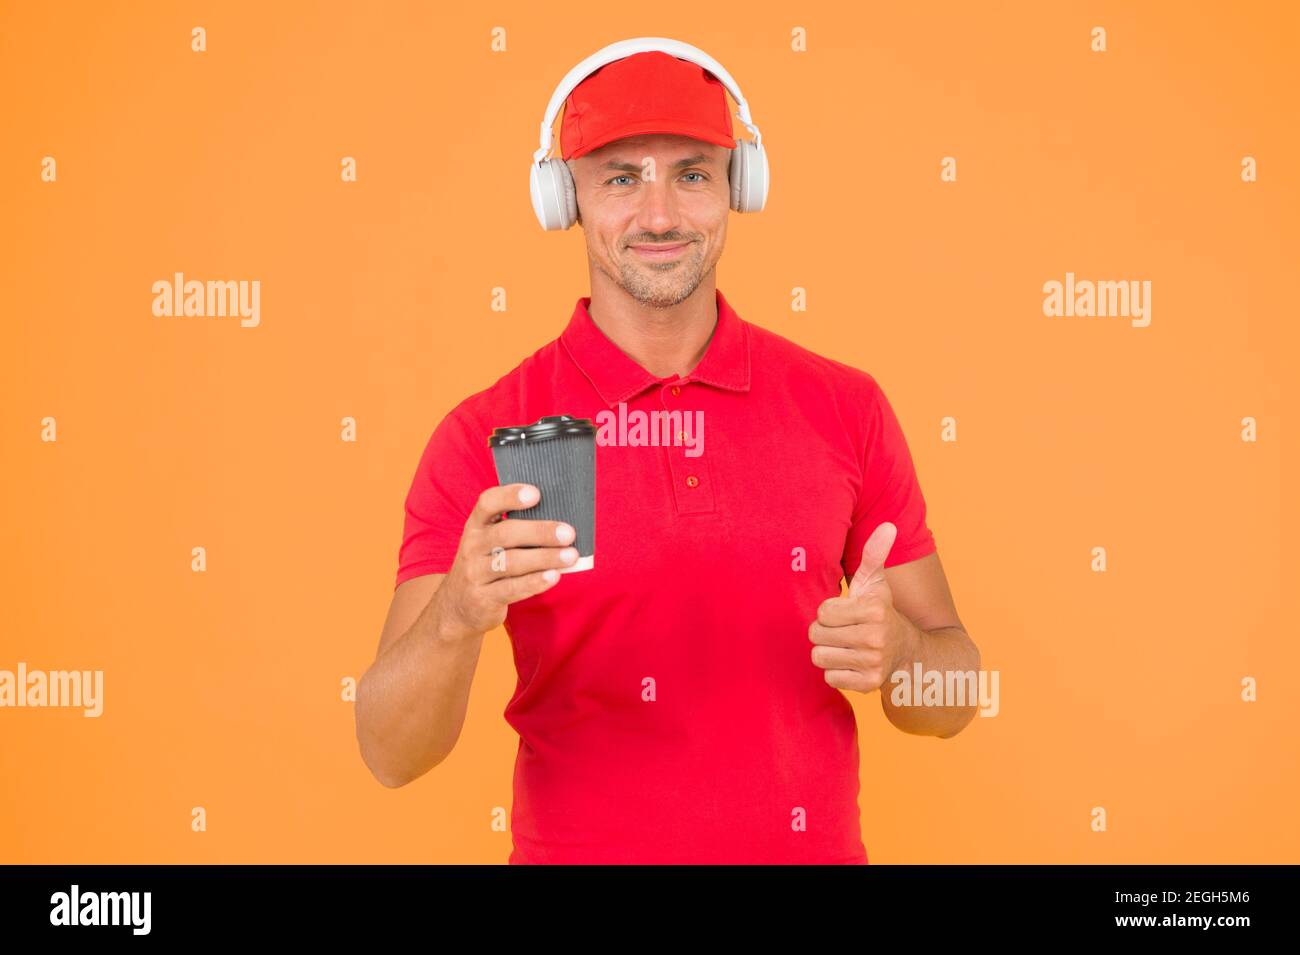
<point>632,178</point>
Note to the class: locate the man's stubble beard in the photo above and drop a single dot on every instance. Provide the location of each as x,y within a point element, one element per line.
<point>660,288</point>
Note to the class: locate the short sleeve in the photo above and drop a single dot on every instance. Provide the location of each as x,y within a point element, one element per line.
<point>455,468</point>
<point>890,491</point>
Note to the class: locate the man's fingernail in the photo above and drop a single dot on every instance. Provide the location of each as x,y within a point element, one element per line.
<point>565,533</point>
<point>551,576</point>
<point>529,494</point>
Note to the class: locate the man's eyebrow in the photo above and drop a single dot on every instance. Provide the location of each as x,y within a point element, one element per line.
<point>696,160</point>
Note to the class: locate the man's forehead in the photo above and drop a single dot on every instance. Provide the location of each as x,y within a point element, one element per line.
<point>669,148</point>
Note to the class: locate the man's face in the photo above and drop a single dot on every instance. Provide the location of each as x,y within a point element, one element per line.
<point>654,192</point>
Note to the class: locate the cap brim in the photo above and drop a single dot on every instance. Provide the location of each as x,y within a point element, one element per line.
<point>652,126</point>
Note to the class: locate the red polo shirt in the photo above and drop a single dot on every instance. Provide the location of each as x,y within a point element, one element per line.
<point>668,708</point>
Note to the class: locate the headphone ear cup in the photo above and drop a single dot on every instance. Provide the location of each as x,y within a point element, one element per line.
<point>749,176</point>
<point>555,201</point>
<point>569,194</point>
<point>737,175</point>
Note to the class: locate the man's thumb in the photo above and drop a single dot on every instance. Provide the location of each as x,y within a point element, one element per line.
<point>872,569</point>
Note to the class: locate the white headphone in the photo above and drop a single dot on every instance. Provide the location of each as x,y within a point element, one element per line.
<point>551,184</point>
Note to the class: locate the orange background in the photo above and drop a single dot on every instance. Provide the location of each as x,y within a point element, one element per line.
<point>222,689</point>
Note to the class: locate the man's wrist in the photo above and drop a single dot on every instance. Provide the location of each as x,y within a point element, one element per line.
<point>909,646</point>
<point>447,625</point>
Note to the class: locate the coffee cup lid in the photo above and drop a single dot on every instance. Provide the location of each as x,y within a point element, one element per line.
<point>550,426</point>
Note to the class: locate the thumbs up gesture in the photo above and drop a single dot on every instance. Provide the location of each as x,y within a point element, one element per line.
<point>859,639</point>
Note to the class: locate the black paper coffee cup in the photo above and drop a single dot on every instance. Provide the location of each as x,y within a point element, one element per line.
<point>557,455</point>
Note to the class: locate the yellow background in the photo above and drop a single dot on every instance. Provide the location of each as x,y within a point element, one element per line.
<point>222,689</point>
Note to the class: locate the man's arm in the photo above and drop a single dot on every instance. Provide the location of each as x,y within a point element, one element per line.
<point>411,702</point>
<point>935,638</point>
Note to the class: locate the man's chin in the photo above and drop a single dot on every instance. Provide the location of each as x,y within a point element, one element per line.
<point>658,296</point>
<point>657,288</point>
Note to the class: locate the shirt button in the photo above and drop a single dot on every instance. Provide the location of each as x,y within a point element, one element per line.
<point>692,481</point>
<point>676,390</point>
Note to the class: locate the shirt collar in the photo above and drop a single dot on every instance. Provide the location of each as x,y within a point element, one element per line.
<point>617,377</point>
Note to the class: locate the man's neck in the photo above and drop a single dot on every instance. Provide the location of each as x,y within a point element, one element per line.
<point>663,341</point>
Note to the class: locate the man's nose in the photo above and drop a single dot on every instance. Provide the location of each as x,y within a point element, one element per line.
<point>658,213</point>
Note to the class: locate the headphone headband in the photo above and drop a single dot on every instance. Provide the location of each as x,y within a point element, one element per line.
<point>625,48</point>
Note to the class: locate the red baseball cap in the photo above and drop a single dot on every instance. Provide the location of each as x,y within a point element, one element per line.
<point>651,92</point>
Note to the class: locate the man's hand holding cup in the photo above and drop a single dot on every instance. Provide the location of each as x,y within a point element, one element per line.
<point>501,561</point>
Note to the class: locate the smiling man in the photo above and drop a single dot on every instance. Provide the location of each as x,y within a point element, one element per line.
<point>683,701</point>
<point>656,271</point>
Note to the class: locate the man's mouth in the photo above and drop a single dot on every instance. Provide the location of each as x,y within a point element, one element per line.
<point>660,251</point>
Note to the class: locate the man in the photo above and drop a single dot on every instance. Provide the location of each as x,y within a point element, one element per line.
<point>680,702</point>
